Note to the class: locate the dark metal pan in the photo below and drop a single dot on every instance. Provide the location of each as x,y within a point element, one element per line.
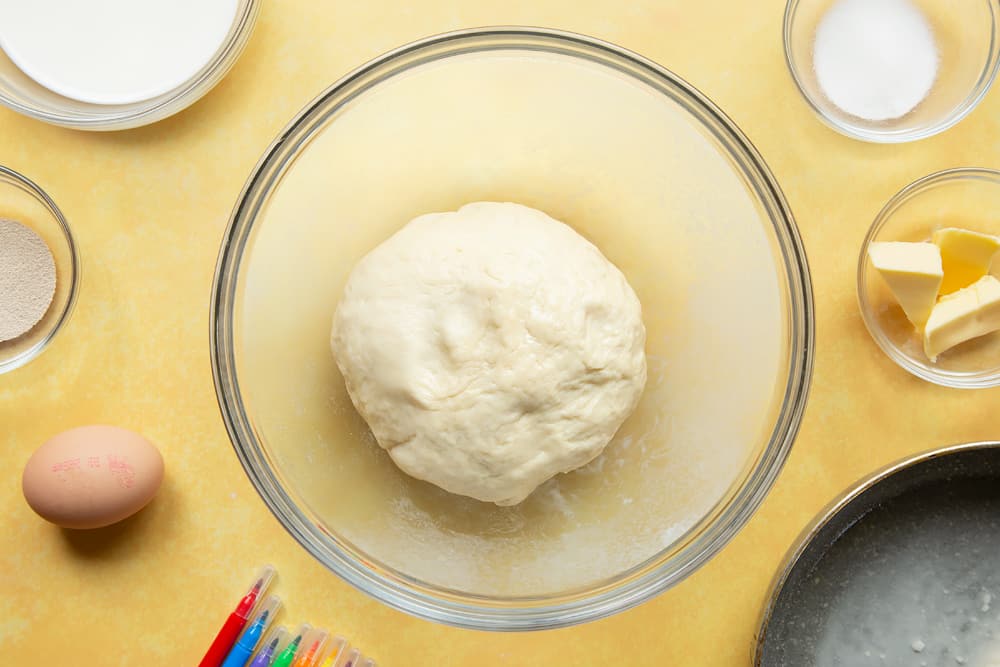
<point>903,569</point>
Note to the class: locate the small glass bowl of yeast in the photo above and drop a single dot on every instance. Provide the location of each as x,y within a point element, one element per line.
<point>24,202</point>
<point>967,199</point>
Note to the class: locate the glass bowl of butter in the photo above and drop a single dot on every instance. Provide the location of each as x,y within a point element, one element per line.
<point>929,278</point>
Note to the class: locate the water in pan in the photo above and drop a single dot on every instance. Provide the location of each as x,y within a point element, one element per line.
<point>914,583</point>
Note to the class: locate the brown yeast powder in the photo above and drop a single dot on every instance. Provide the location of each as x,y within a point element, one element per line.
<point>27,279</point>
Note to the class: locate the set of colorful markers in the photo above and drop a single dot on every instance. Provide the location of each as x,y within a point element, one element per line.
<point>243,642</point>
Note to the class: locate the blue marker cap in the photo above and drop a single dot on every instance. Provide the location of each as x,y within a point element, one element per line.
<point>240,654</point>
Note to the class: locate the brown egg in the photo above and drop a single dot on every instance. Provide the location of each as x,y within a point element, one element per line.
<point>92,476</point>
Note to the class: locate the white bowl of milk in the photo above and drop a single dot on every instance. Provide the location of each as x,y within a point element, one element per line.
<point>114,64</point>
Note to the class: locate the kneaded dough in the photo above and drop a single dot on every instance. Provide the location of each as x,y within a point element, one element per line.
<point>490,348</point>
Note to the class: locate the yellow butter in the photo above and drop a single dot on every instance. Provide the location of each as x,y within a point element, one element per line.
<point>970,312</point>
<point>913,273</point>
<point>965,256</point>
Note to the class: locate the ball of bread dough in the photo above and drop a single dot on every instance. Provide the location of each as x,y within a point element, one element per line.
<point>490,348</point>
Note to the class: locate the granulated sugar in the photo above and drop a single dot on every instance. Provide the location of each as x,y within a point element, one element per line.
<point>875,59</point>
<point>27,279</point>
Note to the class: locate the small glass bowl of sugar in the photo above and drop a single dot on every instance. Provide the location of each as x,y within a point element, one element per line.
<point>890,71</point>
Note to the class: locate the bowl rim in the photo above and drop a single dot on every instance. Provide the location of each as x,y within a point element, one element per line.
<point>944,378</point>
<point>16,179</point>
<point>963,109</point>
<point>828,513</point>
<point>514,614</point>
<point>104,118</point>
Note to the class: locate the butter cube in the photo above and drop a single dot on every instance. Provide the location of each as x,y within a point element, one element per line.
<point>913,273</point>
<point>965,256</point>
<point>970,312</point>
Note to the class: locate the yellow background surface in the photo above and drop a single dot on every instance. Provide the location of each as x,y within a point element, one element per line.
<point>149,206</point>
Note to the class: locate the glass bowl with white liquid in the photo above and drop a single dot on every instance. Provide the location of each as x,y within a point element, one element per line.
<point>172,77</point>
<point>935,62</point>
<point>638,162</point>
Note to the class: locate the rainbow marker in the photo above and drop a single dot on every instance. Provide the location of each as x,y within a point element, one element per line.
<point>336,647</point>
<point>243,649</point>
<point>285,658</point>
<point>352,658</point>
<point>315,641</point>
<point>269,647</point>
<point>231,629</point>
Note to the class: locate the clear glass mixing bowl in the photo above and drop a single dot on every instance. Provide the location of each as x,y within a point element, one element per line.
<point>636,160</point>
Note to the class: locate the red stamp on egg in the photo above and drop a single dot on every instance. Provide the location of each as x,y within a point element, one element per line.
<point>122,471</point>
<point>66,466</point>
